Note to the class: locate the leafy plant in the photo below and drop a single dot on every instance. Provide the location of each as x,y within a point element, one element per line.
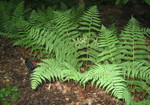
<point>63,42</point>
<point>9,93</point>
<point>109,77</point>
<point>109,47</point>
<point>70,43</point>
<point>118,2</point>
<point>133,43</point>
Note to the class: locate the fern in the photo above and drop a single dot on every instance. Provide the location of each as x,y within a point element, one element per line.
<point>109,47</point>
<point>109,77</point>
<point>77,13</point>
<point>4,15</point>
<point>89,25</point>
<point>49,69</point>
<point>13,22</point>
<point>90,22</point>
<point>136,70</point>
<point>61,40</point>
<point>133,43</point>
<point>5,12</point>
<point>16,18</point>
<point>18,13</point>
<point>70,73</point>
<point>71,42</point>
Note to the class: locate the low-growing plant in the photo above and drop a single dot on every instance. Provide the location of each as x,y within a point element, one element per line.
<point>123,2</point>
<point>71,43</point>
<point>9,94</point>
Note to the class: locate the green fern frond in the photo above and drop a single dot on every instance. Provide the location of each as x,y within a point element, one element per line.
<point>49,69</point>
<point>18,13</point>
<point>17,18</point>
<point>133,42</point>
<point>89,25</point>
<point>76,13</point>
<point>110,51</point>
<point>4,15</point>
<point>70,73</point>
<point>33,19</point>
<point>136,70</point>
<point>146,31</point>
<point>63,6</point>
<point>90,21</point>
<point>109,77</point>
<point>49,13</point>
<point>14,21</point>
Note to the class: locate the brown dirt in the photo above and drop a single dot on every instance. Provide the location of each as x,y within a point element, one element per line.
<point>14,72</point>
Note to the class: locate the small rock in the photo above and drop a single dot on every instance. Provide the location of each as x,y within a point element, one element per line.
<point>67,99</point>
<point>7,80</point>
<point>88,102</point>
<point>60,88</point>
<point>57,84</point>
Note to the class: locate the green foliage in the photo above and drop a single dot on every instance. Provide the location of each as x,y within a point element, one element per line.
<point>109,45</point>
<point>89,26</point>
<point>90,21</point>
<point>133,43</point>
<point>136,70</point>
<point>9,93</point>
<point>123,2</point>
<point>118,2</point>
<point>71,42</point>
<point>106,76</point>
<point>76,13</point>
<point>147,2</point>
<point>51,70</point>
<point>63,43</point>
<point>12,20</point>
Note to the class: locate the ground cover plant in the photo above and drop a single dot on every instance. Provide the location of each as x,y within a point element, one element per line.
<point>9,94</point>
<point>70,42</point>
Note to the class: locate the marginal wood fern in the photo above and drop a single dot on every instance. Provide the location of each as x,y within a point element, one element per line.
<point>133,43</point>
<point>136,70</point>
<point>106,76</point>
<point>109,47</point>
<point>89,26</point>
<point>70,43</point>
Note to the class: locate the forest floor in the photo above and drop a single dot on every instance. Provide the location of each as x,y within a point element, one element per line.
<point>14,71</point>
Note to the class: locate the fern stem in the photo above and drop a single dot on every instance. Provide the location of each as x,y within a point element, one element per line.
<point>133,51</point>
